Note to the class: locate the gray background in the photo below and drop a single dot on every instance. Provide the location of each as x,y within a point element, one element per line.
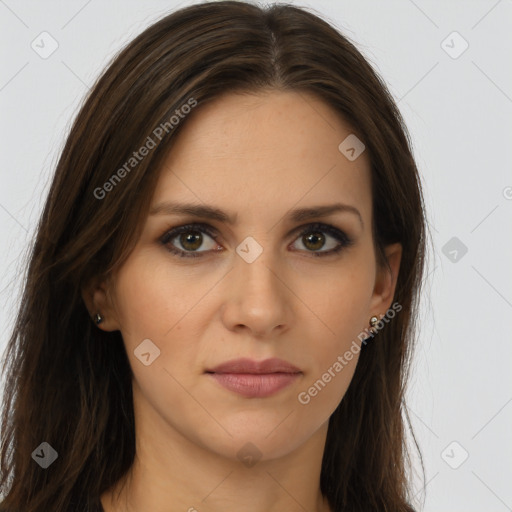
<point>459,113</point>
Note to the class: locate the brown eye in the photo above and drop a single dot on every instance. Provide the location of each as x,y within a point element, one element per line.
<point>323,236</point>
<point>191,242</point>
<point>185,241</point>
<point>314,241</point>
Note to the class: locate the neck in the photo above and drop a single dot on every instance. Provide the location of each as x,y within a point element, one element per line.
<point>171,473</point>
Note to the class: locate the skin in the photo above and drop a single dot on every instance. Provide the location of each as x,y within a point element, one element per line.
<point>257,156</point>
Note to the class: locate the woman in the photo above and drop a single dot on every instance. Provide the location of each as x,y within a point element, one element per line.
<point>220,303</point>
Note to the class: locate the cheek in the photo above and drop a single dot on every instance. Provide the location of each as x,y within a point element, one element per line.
<point>322,392</point>
<point>152,296</point>
<point>334,353</point>
<point>341,306</point>
<point>167,305</point>
<point>156,310</point>
<point>340,300</point>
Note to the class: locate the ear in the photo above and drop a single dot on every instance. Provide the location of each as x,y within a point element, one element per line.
<point>97,299</point>
<point>385,281</point>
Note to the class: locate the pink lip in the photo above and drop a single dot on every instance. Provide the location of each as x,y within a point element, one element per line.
<point>254,379</point>
<point>245,365</point>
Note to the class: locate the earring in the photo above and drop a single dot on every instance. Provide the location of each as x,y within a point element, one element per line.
<point>373,322</point>
<point>98,318</point>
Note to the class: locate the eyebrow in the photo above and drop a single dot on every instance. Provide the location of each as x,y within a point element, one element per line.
<point>211,212</point>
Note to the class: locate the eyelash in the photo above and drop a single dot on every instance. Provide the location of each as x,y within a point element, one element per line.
<point>340,236</point>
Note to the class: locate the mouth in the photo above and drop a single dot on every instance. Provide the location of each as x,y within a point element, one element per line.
<point>253,379</point>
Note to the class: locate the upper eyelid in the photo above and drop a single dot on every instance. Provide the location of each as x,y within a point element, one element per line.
<point>201,226</point>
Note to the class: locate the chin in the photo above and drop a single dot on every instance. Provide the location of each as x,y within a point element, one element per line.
<point>256,436</point>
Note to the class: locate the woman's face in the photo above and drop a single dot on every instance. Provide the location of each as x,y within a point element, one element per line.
<point>255,287</point>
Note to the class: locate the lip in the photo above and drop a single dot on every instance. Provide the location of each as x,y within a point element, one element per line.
<point>255,379</point>
<point>245,365</point>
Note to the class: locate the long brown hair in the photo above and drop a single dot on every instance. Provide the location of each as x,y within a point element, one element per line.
<point>68,383</point>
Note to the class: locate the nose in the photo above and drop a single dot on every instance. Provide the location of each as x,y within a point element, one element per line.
<point>258,298</point>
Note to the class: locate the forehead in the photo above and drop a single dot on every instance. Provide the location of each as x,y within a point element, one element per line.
<point>263,154</point>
